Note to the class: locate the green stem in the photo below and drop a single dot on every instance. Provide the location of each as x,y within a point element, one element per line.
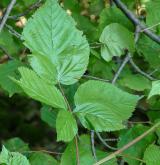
<point>70,110</point>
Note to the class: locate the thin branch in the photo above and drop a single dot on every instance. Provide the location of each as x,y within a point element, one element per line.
<point>45,151</point>
<point>150,27</point>
<point>125,61</point>
<point>136,21</point>
<point>62,91</point>
<point>6,53</point>
<point>154,71</point>
<point>132,157</point>
<point>104,142</point>
<point>95,78</point>
<point>77,150</point>
<point>6,15</point>
<point>32,7</point>
<point>113,155</point>
<point>93,145</point>
<point>136,38</point>
<point>137,34</point>
<point>69,108</point>
<point>13,32</point>
<point>140,71</point>
<point>140,122</point>
<point>111,140</point>
<point>122,162</point>
<point>111,3</point>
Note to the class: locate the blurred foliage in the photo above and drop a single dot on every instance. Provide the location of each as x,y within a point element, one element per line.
<point>26,126</point>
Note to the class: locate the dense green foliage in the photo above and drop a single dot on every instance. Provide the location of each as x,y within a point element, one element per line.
<point>78,81</point>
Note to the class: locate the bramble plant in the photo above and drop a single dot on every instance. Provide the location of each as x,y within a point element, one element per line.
<point>63,49</point>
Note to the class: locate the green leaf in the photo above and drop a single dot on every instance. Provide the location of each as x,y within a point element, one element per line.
<point>51,32</point>
<point>100,68</point>
<point>151,155</point>
<point>157,131</point>
<point>85,153</point>
<point>135,82</point>
<point>153,17</point>
<point>12,158</point>
<point>155,90</point>
<point>96,6</point>
<point>44,68</point>
<point>150,50</point>
<point>49,115</point>
<point>36,88</point>
<point>4,156</point>
<point>104,103</point>
<point>7,70</point>
<point>113,15</point>
<point>137,149</point>
<point>115,39</point>
<point>7,39</point>
<point>66,126</point>
<point>16,144</point>
<point>42,159</point>
<point>29,2</point>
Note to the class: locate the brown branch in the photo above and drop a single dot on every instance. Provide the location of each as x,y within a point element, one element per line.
<point>125,61</point>
<point>140,71</point>
<point>136,21</point>
<point>93,145</point>
<point>113,155</point>
<point>6,15</point>
<point>104,142</point>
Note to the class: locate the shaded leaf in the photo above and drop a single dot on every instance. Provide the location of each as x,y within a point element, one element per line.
<point>113,15</point>
<point>49,115</point>
<point>7,70</point>
<point>137,149</point>
<point>153,17</point>
<point>135,82</point>
<point>150,50</point>
<point>16,144</point>
<point>40,158</point>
